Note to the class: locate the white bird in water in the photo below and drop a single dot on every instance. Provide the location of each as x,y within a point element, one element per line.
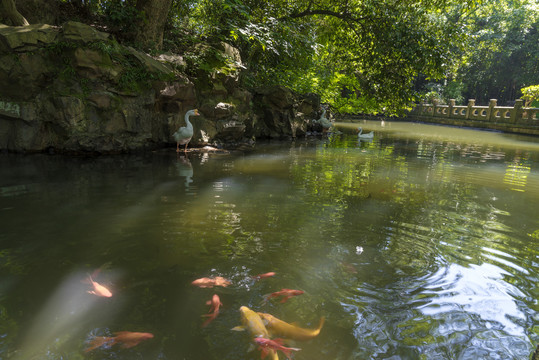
<point>185,133</point>
<point>324,121</point>
<point>360,134</point>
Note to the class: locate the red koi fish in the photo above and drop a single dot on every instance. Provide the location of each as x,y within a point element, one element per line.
<point>263,276</point>
<point>285,293</point>
<point>276,344</point>
<point>211,282</point>
<point>128,339</point>
<point>215,303</point>
<point>99,290</point>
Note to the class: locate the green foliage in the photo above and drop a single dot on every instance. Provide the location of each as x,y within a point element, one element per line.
<point>204,63</point>
<point>360,55</point>
<point>121,18</point>
<point>530,94</point>
<point>60,47</point>
<point>136,78</point>
<point>365,50</point>
<point>62,51</point>
<point>453,90</point>
<point>111,48</point>
<point>501,51</point>
<point>439,93</point>
<point>432,97</point>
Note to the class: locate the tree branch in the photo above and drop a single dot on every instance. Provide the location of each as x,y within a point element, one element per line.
<point>12,14</point>
<point>343,16</point>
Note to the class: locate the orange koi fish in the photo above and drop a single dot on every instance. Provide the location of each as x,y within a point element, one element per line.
<point>215,303</point>
<point>252,322</point>
<point>128,339</point>
<point>99,290</point>
<point>276,344</point>
<point>211,282</point>
<point>285,293</point>
<point>263,276</point>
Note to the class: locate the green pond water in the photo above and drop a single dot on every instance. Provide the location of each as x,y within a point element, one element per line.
<point>420,244</point>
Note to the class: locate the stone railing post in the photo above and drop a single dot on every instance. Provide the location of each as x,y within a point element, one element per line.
<point>471,104</point>
<point>516,114</point>
<point>434,106</point>
<point>450,109</point>
<point>491,114</point>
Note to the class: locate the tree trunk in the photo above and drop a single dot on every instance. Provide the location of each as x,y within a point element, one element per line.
<point>11,14</point>
<point>151,29</point>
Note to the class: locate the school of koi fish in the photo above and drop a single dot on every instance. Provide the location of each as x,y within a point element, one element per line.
<point>267,332</point>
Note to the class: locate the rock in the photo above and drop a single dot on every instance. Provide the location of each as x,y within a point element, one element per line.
<point>277,97</point>
<point>232,53</point>
<point>275,108</point>
<point>94,64</point>
<point>180,90</point>
<point>24,75</point>
<point>230,130</point>
<point>150,63</point>
<point>175,60</point>
<point>26,38</point>
<point>76,31</point>
<point>101,99</point>
<point>308,105</point>
<point>60,91</point>
<point>222,110</point>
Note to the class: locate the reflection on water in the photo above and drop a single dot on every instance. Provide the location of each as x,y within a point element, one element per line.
<point>185,169</point>
<point>420,243</point>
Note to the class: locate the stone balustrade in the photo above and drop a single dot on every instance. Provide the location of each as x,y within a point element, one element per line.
<point>518,119</point>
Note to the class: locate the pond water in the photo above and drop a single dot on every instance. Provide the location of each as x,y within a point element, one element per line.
<point>420,244</point>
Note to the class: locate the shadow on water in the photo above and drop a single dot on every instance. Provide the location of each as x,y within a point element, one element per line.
<point>419,243</point>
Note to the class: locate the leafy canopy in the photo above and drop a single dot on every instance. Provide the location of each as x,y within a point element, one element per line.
<point>360,55</point>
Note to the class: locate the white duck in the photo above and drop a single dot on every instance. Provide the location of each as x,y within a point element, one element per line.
<point>325,122</point>
<point>185,133</point>
<point>360,134</point>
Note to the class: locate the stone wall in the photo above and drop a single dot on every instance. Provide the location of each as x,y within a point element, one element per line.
<point>74,89</point>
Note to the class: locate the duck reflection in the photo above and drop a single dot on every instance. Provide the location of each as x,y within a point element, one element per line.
<point>185,169</point>
<point>364,140</point>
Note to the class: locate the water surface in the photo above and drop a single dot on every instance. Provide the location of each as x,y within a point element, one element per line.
<point>419,244</point>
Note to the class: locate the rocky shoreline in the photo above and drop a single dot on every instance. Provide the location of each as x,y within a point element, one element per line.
<point>74,89</point>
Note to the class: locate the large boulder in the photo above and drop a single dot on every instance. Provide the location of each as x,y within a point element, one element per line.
<point>281,113</point>
<point>74,89</point>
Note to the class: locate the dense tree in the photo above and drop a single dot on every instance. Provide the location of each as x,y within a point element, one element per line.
<point>360,55</point>
<point>152,22</point>
<point>500,53</point>
<point>9,14</point>
<point>365,50</point>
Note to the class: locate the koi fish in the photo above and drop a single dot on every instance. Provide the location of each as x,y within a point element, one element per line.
<point>285,330</point>
<point>128,339</point>
<point>215,303</point>
<point>349,268</point>
<point>252,322</point>
<point>211,282</point>
<point>285,293</point>
<point>276,344</point>
<point>99,290</point>
<point>263,276</point>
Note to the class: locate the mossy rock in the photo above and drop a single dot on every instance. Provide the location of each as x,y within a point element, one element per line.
<point>26,38</point>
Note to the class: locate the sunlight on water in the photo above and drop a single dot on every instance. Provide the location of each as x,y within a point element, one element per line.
<point>421,243</point>
<point>475,290</point>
